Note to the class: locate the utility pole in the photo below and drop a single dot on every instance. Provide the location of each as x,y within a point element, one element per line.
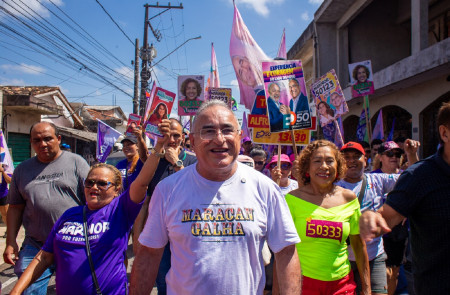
<point>148,54</point>
<point>136,78</point>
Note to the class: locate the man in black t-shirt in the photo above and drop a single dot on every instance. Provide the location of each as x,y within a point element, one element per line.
<point>422,194</point>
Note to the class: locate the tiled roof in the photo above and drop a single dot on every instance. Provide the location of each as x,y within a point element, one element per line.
<point>27,90</point>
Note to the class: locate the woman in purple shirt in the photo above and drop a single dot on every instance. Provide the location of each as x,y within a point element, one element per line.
<point>109,215</point>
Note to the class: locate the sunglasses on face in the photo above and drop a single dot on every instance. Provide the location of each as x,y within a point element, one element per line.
<point>391,154</point>
<point>259,163</point>
<point>101,184</point>
<point>284,166</point>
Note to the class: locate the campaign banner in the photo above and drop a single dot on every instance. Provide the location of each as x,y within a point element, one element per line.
<point>133,121</point>
<point>190,94</point>
<point>246,57</point>
<point>149,97</point>
<point>361,78</point>
<point>106,137</point>
<point>162,106</point>
<point>329,98</point>
<point>5,156</point>
<point>286,99</point>
<point>264,136</point>
<point>330,105</point>
<point>262,121</point>
<point>223,94</point>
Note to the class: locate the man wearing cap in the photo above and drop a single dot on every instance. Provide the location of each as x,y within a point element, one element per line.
<point>247,146</point>
<point>390,154</point>
<point>134,157</point>
<point>371,197</point>
<point>216,215</point>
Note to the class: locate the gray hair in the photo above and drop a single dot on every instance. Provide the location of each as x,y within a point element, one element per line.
<point>209,104</point>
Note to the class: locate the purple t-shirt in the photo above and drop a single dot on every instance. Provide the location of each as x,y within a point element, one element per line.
<point>108,230</point>
<point>4,187</point>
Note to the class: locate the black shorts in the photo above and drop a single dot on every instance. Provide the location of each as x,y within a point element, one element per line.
<point>3,201</point>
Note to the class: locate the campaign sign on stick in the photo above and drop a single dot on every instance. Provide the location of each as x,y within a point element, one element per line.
<point>287,102</point>
<point>161,106</point>
<point>190,94</point>
<point>223,94</point>
<point>263,136</point>
<point>361,78</point>
<point>330,105</point>
<point>133,121</point>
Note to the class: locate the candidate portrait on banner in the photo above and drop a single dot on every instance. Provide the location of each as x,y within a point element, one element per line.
<point>361,78</point>
<point>190,94</point>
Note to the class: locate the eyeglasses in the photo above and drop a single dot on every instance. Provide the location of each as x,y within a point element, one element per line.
<point>391,154</point>
<point>259,163</point>
<point>101,184</point>
<point>211,133</point>
<point>284,166</point>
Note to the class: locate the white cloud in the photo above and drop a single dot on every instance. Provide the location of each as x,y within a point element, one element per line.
<point>260,6</point>
<point>12,82</point>
<point>315,2</point>
<point>24,68</point>
<point>127,72</point>
<point>290,21</point>
<point>64,90</point>
<point>305,16</point>
<point>234,82</point>
<point>35,8</point>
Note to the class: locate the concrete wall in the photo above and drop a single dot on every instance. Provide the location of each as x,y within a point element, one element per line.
<point>375,34</point>
<point>21,122</point>
<point>413,99</point>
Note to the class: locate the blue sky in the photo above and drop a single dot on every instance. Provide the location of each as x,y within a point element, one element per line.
<point>21,65</point>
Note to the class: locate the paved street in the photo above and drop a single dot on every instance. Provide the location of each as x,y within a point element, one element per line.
<point>8,278</point>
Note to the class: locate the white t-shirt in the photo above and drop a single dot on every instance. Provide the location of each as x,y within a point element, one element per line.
<point>293,184</point>
<point>217,230</point>
<point>378,185</point>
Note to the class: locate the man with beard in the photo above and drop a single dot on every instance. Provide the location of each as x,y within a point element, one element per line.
<point>276,108</point>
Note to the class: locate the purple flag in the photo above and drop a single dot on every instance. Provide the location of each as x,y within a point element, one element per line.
<point>246,57</point>
<point>5,156</point>
<point>245,131</point>
<point>391,134</point>
<point>106,137</point>
<point>213,78</point>
<point>282,49</point>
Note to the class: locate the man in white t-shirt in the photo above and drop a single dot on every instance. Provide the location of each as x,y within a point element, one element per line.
<point>217,215</point>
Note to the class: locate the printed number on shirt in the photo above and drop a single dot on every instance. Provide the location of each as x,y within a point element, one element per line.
<point>324,229</point>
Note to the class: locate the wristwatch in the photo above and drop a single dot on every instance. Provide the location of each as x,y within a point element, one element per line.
<point>161,155</point>
<point>178,164</point>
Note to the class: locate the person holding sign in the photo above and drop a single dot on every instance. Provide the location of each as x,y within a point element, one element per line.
<point>159,114</point>
<point>276,108</point>
<point>104,222</point>
<point>325,215</point>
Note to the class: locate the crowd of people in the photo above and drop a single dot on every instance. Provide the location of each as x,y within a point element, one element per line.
<point>212,213</point>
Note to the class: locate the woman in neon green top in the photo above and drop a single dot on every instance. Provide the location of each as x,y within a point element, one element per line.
<point>325,215</point>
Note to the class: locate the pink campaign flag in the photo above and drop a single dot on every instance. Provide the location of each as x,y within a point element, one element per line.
<point>246,57</point>
<point>149,103</point>
<point>244,127</point>
<point>282,49</point>
<point>213,79</point>
<point>378,130</point>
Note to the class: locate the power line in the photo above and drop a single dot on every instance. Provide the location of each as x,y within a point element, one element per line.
<point>115,22</point>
